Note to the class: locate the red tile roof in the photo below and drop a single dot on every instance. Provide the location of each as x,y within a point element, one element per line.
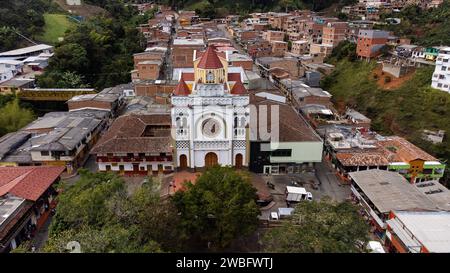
<point>210,60</point>
<point>182,89</point>
<point>238,88</point>
<point>187,76</point>
<point>28,182</point>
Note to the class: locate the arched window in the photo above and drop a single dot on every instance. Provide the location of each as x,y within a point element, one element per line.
<point>242,121</point>
<point>210,77</point>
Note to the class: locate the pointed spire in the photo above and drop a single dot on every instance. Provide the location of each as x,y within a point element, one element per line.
<point>182,88</point>
<point>210,59</point>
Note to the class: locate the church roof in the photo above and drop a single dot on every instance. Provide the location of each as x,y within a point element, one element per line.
<point>182,89</point>
<point>238,88</point>
<point>210,59</point>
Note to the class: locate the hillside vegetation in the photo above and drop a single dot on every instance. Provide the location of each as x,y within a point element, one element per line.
<point>25,17</point>
<point>424,27</point>
<point>404,111</point>
<point>55,27</point>
<point>97,52</point>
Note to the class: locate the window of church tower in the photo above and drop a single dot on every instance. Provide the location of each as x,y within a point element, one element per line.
<point>210,77</point>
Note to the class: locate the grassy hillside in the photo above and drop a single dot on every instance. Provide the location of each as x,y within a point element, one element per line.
<point>404,111</point>
<point>55,27</point>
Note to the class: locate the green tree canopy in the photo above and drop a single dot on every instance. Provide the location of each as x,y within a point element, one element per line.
<point>99,213</point>
<point>13,117</point>
<point>219,208</point>
<point>322,226</point>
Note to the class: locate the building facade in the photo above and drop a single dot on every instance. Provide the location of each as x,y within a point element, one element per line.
<point>441,75</point>
<point>210,115</point>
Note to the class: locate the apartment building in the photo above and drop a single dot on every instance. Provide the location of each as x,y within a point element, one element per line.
<point>272,35</point>
<point>441,75</point>
<point>279,48</point>
<point>334,33</point>
<point>370,42</point>
<point>300,47</point>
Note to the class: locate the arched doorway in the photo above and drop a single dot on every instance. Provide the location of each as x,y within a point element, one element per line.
<point>183,161</point>
<point>238,161</point>
<point>211,159</point>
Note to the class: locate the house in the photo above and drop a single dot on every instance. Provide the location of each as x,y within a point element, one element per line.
<point>136,144</point>
<point>321,49</point>
<point>109,100</point>
<point>259,48</point>
<point>23,53</point>
<point>370,42</point>
<point>296,147</point>
<point>301,94</point>
<point>418,232</point>
<point>441,75</point>
<point>183,51</point>
<point>300,47</point>
<point>279,48</point>
<point>15,66</point>
<point>147,70</point>
<point>6,75</point>
<point>154,88</point>
<point>73,2</point>
<point>272,35</point>
<point>56,139</point>
<point>242,60</point>
<point>15,85</point>
<point>290,66</point>
<point>27,196</point>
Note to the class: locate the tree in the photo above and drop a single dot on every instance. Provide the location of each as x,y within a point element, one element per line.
<point>13,117</point>
<point>323,226</point>
<point>219,208</point>
<point>102,216</point>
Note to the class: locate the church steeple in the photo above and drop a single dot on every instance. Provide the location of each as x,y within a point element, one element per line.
<point>210,60</point>
<point>211,67</point>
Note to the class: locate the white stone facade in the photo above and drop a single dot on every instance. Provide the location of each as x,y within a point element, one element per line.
<point>210,124</point>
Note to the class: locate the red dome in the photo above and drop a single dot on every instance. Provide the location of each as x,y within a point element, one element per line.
<point>210,59</point>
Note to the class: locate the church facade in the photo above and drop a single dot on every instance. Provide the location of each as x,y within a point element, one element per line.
<point>210,114</point>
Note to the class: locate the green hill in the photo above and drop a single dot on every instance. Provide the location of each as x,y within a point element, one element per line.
<point>55,27</point>
<point>404,111</point>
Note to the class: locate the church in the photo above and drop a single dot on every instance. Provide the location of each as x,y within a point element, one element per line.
<point>210,114</point>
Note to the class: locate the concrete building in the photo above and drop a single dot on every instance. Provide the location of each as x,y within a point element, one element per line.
<point>370,42</point>
<point>183,51</point>
<point>321,49</point>
<point>418,232</point>
<point>441,75</point>
<point>381,192</point>
<point>279,48</point>
<point>300,47</point>
<point>334,33</point>
<point>272,35</point>
<point>296,147</point>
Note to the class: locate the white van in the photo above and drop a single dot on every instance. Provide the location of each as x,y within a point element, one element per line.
<point>297,194</point>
